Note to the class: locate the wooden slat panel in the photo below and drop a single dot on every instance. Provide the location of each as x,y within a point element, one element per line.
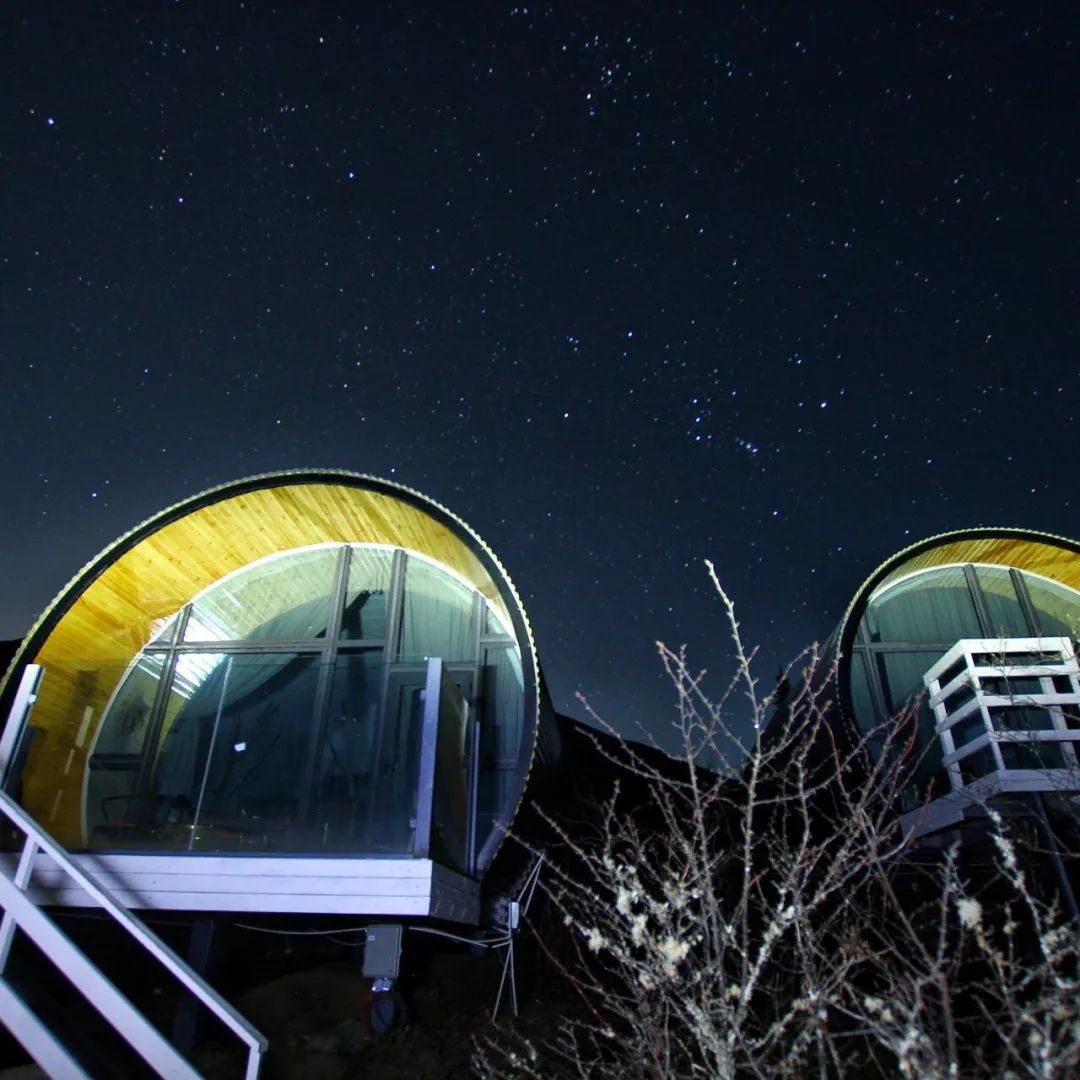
<point>270,884</point>
<point>1034,556</point>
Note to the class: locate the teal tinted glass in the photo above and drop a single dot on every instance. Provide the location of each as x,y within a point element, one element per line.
<point>364,616</point>
<point>493,626</point>
<point>127,717</point>
<point>1002,604</point>
<point>346,765</point>
<point>437,617</point>
<point>283,599</point>
<point>902,676</point>
<point>862,702</point>
<point>935,606</point>
<point>1056,607</point>
<point>227,767</point>
<point>504,700</point>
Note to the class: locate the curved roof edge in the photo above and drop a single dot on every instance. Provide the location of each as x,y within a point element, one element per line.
<point>127,540</point>
<point>848,624</point>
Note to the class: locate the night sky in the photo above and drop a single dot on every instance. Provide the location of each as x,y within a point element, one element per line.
<point>625,286</point>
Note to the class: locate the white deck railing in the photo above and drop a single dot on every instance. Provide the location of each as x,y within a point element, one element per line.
<point>1008,713</point>
<point>20,912</point>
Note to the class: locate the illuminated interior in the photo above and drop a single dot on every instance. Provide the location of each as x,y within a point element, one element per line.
<point>244,673</point>
<point>280,710</point>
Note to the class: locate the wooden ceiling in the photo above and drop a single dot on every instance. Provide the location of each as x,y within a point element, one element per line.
<point>121,610</point>
<point>1035,556</point>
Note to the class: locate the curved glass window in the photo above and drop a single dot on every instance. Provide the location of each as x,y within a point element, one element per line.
<point>910,624</point>
<point>439,616</point>
<point>285,712</point>
<point>924,608</point>
<point>275,600</point>
<point>1057,608</point>
<point>366,594</point>
<point>1004,612</point>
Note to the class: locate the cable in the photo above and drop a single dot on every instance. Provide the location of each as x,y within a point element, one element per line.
<point>302,933</point>
<point>490,944</point>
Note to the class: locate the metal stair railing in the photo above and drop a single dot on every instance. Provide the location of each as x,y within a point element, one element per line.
<point>21,912</point>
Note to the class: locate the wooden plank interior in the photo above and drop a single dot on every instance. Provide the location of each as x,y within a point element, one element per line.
<point>91,646</point>
<point>1034,556</point>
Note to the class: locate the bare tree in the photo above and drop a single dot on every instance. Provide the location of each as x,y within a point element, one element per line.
<point>767,916</point>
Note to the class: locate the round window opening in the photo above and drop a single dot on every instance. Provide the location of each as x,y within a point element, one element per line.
<point>281,710</point>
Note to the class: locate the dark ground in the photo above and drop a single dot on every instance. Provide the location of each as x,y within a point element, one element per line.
<point>307,995</point>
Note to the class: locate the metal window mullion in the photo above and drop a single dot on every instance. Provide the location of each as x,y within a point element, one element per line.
<point>474,791</point>
<point>425,779</point>
<point>907,646</point>
<point>982,613</point>
<point>1031,615</point>
<point>476,718</point>
<point>883,679</point>
<point>394,604</point>
<point>210,753</point>
<point>322,688</point>
<point>157,713</point>
<point>253,645</point>
<point>355,645</point>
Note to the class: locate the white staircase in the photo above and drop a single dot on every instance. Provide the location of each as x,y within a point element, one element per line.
<point>22,913</point>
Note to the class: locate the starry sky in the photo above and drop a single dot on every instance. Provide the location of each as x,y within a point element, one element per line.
<point>626,286</point>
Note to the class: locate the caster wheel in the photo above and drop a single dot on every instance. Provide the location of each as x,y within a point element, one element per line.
<point>386,1012</point>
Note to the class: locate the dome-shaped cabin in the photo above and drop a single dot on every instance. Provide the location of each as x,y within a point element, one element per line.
<point>301,692</point>
<point>980,628</point>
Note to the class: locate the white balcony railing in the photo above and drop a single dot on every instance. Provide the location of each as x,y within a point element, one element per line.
<point>1008,714</point>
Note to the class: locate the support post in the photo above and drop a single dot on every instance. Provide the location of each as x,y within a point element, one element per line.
<point>187,1023</point>
<point>1067,894</point>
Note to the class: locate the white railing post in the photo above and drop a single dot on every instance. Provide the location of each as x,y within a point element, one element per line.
<point>23,872</point>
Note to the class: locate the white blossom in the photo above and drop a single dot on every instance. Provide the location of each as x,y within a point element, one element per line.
<point>673,952</point>
<point>969,912</point>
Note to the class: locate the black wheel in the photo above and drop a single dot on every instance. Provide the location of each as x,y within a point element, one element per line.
<point>386,1012</point>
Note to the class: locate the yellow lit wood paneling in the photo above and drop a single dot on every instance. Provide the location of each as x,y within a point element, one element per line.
<point>1033,556</point>
<point>1050,556</point>
<point>94,641</point>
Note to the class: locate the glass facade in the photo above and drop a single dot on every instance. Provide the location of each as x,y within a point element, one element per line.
<point>282,710</point>
<point>910,624</point>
